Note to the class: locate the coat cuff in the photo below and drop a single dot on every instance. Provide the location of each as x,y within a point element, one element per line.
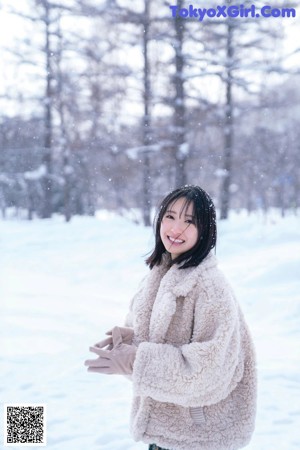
<point>149,377</point>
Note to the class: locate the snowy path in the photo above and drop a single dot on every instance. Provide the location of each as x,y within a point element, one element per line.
<point>63,285</point>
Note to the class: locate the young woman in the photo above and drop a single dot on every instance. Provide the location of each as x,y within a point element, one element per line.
<point>185,343</point>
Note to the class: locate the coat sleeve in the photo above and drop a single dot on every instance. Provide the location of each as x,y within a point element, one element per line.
<point>200,373</point>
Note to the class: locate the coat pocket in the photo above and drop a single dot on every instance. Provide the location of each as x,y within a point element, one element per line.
<point>197,414</point>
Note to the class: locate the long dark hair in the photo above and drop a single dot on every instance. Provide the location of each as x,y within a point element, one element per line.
<point>205,220</point>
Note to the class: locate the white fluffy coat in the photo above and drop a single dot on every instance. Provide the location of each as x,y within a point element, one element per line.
<point>194,376</point>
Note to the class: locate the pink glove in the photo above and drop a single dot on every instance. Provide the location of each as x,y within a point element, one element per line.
<point>119,360</point>
<point>126,334</point>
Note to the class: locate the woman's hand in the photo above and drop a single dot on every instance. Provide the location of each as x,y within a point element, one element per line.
<point>110,342</point>
<point>119,360</point>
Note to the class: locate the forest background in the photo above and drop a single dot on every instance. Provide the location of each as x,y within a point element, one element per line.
<point>109,104</point>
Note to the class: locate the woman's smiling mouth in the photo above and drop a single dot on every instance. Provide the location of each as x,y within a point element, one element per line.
<point>175,241</point>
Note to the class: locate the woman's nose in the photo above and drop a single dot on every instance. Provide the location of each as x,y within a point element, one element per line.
<point>176,228</point>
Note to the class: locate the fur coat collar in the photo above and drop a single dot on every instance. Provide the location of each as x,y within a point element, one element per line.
<point>163,285</point>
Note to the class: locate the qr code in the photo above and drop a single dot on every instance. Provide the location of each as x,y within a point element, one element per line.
<point>25,425</point>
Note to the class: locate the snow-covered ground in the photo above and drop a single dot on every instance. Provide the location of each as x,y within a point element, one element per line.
<point>63,285</point>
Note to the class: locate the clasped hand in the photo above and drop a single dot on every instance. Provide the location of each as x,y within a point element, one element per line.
<point>116,355</point>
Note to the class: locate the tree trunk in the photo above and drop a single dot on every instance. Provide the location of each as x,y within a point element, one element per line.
<point>146,122</point>
<point>67,169</point>
<point>47,158</point>
<point>179,107</point>
<point>228,132</point>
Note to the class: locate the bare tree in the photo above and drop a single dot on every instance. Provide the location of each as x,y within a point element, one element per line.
<point>64,138</point>
<point>44,17</point>
<point>147,118</point>
<point>47,159</point>
<point>179,101</point>
<point>228,43</point>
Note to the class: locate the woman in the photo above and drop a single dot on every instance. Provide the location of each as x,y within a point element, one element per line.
<point>185,345</point>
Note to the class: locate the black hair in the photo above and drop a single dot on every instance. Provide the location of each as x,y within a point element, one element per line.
<point>205,220</point>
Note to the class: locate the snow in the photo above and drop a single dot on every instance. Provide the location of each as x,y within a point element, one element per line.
<point>36,174</point>
<point>184,149</point>
<point>134,152</point>
<point>221,173</point>
<point>63,285</point>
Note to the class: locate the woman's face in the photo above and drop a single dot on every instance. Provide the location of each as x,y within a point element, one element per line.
<point>178,231</point>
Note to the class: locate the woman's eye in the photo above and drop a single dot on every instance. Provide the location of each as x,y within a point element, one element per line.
<point>169,216</point>
<point>190,221</point>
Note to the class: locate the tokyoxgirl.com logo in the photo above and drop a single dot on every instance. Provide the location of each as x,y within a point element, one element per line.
<point>233,11</point>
